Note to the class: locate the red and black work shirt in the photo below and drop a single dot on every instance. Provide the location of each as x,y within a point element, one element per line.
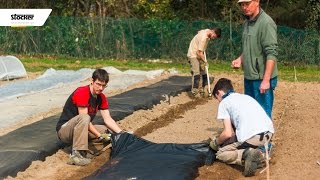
<point>82,97</point>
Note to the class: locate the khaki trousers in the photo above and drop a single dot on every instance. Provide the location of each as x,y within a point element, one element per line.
<point>76,132</point>
<point>195,70</point>
<point>195,67</point>
<point>232,153</point>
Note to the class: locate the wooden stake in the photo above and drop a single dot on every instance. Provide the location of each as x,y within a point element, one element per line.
<point>267,161</point>
<point>295,74</point>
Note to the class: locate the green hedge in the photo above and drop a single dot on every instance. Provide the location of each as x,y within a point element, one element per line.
<point>143,39</point>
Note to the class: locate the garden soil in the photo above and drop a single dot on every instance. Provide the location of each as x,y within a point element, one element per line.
<point>182,119</point>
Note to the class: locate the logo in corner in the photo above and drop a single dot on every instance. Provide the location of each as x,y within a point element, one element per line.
<point>24,17</point>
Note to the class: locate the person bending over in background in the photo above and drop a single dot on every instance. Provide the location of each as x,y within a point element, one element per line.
<point>259,54</point>
<point>246,127</point>
<point>75,124</point>
<point>196,57</point>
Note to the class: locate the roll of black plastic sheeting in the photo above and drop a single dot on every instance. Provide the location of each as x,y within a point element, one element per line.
<point>137,158</point>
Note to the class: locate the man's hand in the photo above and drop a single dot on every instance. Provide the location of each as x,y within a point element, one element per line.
<point>214,145</point>
<point>264,86</point>
<point>104,137</point>
<point>236,64</point>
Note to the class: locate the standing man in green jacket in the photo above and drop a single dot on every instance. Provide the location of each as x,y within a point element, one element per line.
<point>259,54</point>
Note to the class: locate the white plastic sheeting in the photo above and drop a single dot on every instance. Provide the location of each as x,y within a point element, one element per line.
<point>50,79</point>
<point>123,79</point>
<point>57,78</point>
<point>11,68</point>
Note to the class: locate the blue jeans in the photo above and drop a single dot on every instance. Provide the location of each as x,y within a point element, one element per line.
<point>251,88</point>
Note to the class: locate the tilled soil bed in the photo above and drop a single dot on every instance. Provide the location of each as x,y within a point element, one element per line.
<point>182,119</point>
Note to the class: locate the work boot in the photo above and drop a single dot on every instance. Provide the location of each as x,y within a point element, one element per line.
<point>206,92</point>
<point>204,80</point>
<point>201,92</point>
<point>86,154</point>
<point>195,93</point>
<point>252,160</point>
<point>77,159</point>
<point>263,152</point>
<point>196,81</point>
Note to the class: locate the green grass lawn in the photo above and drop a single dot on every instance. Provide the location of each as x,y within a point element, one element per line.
<point>302,73</point>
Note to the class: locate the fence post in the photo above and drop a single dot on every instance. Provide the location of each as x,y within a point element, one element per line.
<point>231,41</point>
<point>318,51</point>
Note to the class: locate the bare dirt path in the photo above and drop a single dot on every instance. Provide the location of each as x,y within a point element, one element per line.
<point>296,140</point>
<point>298,133</point>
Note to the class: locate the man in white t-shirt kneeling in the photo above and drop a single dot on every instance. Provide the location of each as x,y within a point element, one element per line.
<point>246,127</point>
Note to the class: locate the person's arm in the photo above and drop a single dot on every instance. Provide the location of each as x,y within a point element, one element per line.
<point>269,45</point>
<point>265,84</point>
<point>226,133</point>
<point>110,123</point>
<point>203,42</point>
<point>236,64</point>
<point>93,130</point>
<point>200,55</point>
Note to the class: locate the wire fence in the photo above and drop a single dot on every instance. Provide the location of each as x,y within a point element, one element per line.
<point>144,39</point>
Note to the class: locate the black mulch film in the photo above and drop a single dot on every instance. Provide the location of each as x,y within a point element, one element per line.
<point>38,140</point>
<point>137,158</point>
